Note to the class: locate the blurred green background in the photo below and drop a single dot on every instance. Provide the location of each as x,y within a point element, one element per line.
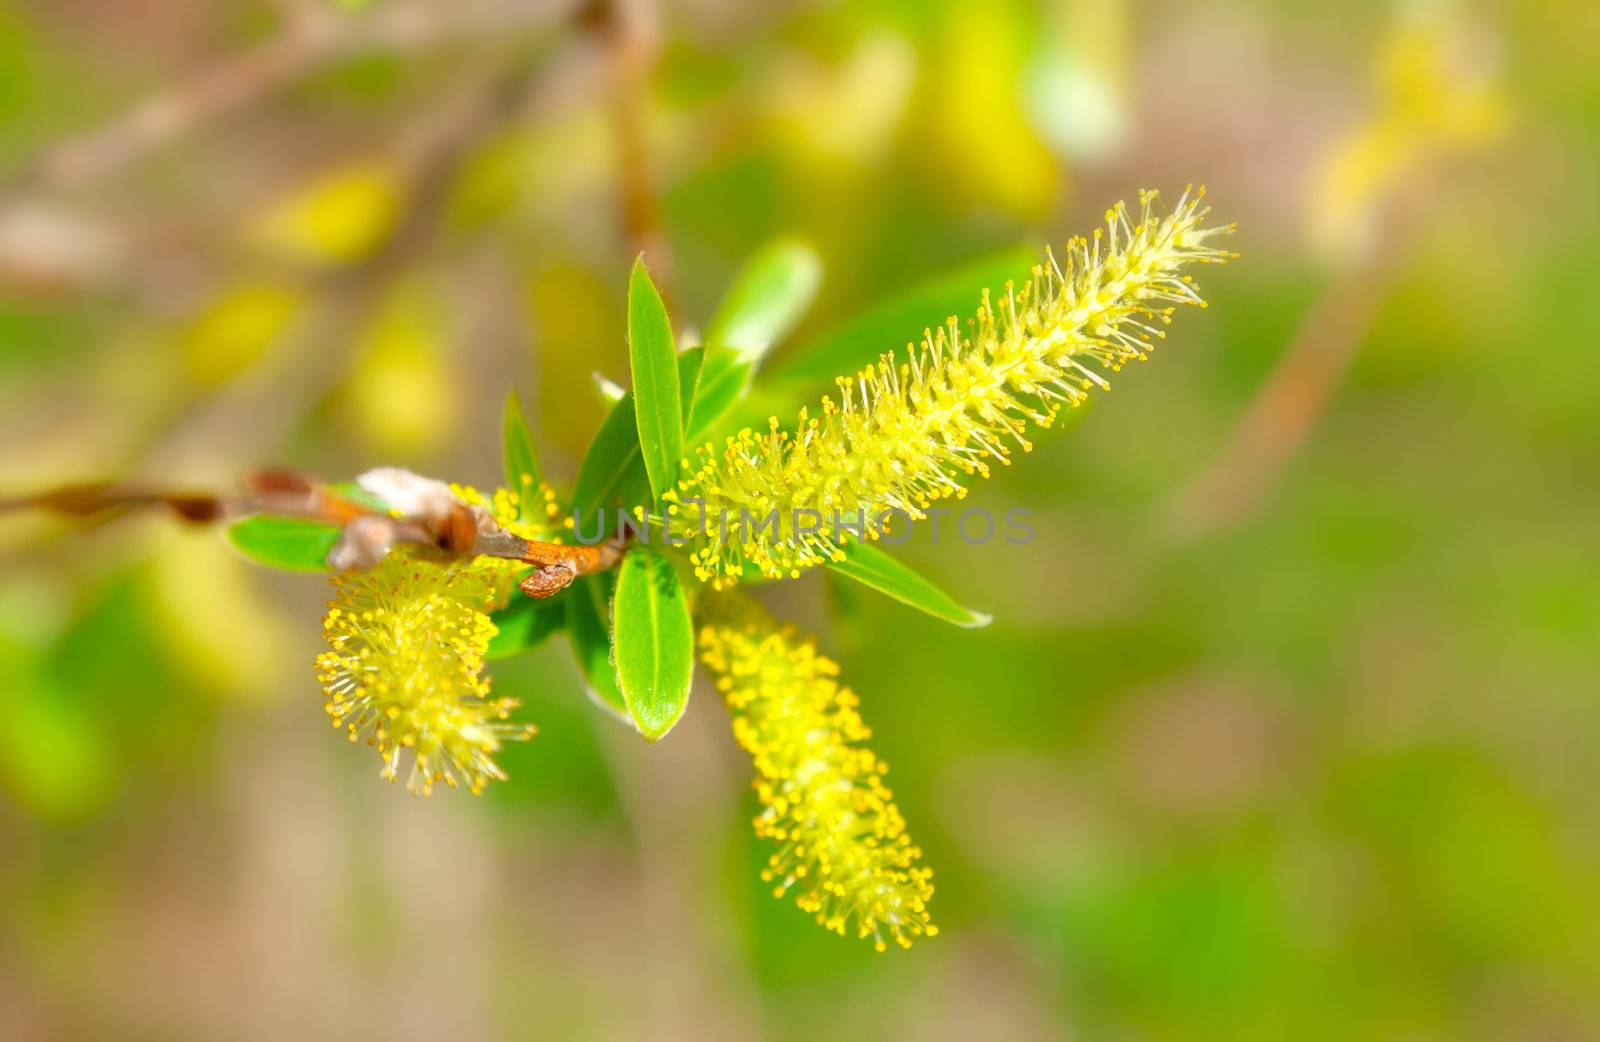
<point>1321,769</point>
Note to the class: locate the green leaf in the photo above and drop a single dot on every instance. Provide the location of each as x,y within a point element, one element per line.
<point>868,565</point>
<point>690,366</point>
<point>657,396</point>
<point>291,543</point>
<point>356,494</point>
<point>588,611</point>
<point>523,625</point>
<point>724,379</point>
<point>767,298</point>
<point>902,318</point>
<point>654,641</point>
<point>521,463</point>
<point>612,472</point>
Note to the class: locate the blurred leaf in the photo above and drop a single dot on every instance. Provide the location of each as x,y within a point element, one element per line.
<point>520,462</point>
<point>654,642</point>
<point>55,757</point>
<point>872,567</point>
<point>291,543</point>
<point>768,296</point>
<point>610,391</point>
<point>339,217</point>
<point>356,494</point>
<point>658,397</point>
<point>588,612</point>
<point>524,624</point>
<point>902,318</point>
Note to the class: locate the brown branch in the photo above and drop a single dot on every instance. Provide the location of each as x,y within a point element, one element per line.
<point>259,407</point>
<point>315,37</point>
<point>1288,407</point>
<point>631,48</point>
<point>445,528</point>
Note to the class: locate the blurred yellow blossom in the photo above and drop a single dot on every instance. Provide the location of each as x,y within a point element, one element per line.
<point>1436,92</point>
<point>338,217</point>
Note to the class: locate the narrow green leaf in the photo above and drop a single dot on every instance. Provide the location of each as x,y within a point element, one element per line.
<point>291,543</point>
<point>868,565</point>
<point>521,463</point>
<point>657,396</point>
<point>654,641</point>
<point>588,610</point>
<point>612,473</point>
<point>523,625</point>
<point>691,364</point>
<point>902,318</point>
<point>724,380</point>
<point>767,298</point>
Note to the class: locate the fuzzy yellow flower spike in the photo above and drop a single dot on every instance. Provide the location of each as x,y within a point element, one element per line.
<point>404,669</point>
<point>903,433</point>
<point>842,843</point>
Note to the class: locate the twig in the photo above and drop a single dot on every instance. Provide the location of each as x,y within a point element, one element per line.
<point>437,522</point>
<point>1284,412</point>
<point>315,38</point>
<point>255,407</point>
<point>630,45</point>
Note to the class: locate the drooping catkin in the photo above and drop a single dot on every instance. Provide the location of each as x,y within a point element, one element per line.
<point>842,847</point>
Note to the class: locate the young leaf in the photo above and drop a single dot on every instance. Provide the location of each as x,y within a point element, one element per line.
<point>868,565</point>
<point>767,298</point>
<point>521,464</point>
<point>690,366</point>
<point>291,543</point>
<point>654,642</point>
<point>902,318</point>
<point>657,396</point>
<point>612,472</point>
<point>588,613</point>
<point>724,379</point>
<point>523,625</point>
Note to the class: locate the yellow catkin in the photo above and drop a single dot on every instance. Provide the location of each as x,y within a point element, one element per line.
<point>404,665</point>
<point>842,847</point>
<point>903,434</point>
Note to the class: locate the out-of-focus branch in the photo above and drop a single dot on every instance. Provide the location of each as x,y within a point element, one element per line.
<point>316,36</point>
<point>255,411</point>
<point>1286,409</point>
<point>628,36</point>
<point>431,518</point>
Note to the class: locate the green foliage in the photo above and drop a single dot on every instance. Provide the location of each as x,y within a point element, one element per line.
<point>768,296</point>
<point>612,472</point>
<point>520,463</point>
<point>900,319</point>
<point>657,392</point>
<point>523,625</point>
<point>588,616</point>
<point>654,641</point>
<point>290,543</point>
<point>871,567</point>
